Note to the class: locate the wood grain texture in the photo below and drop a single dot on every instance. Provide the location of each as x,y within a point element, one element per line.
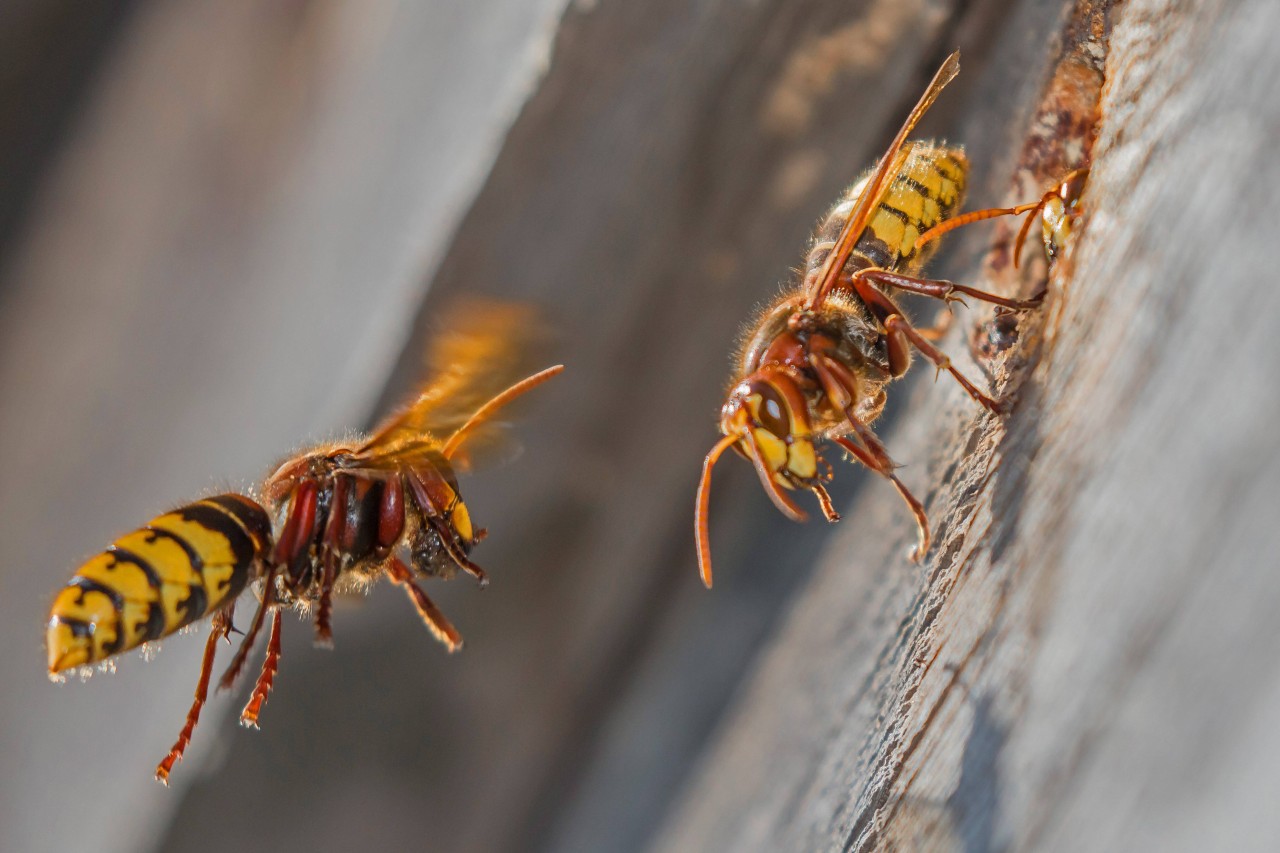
<point>1088,660</point>
<point>1084,654</point>
<point>646,200</point>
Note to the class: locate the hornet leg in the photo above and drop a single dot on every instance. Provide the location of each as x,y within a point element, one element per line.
<point>864,446</point>
<point>946,290</point>
<point>902,335</point>
<point>917,508</point>
<point>246,645</point>
<point>431,615</point>
<point>220,628</point>
<point>266,678</point>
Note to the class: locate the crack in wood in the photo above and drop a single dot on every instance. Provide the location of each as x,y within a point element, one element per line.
<point>1060,139</point>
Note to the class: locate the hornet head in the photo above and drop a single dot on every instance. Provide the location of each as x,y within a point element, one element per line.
<point>765,419</point>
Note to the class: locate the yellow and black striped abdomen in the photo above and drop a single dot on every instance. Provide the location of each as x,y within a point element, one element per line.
<point>179,568</point>
<point>929,189</point>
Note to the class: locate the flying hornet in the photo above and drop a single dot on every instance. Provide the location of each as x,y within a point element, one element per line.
<point>814,365</point>
<point>330,519</point>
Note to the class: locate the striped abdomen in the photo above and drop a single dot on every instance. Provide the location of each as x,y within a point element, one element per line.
<point>928,190</point>
<point>177,569</point>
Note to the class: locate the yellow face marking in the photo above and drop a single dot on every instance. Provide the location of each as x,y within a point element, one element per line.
<point>772,448</point>
<point>797,456</point>
<point>461,521</point>
<point>803,460</point>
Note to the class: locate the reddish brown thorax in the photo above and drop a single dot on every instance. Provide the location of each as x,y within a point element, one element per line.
<point>787,350</point>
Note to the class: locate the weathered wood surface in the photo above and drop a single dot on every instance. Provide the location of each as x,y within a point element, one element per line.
<point>660,182</point>
<point>1089,659</point>
<point>648,198</point>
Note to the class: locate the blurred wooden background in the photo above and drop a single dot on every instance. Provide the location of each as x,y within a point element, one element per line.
<point>240,242</point>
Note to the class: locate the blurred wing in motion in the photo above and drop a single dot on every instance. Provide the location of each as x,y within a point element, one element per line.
<point>490,444</point>
<point>482,349</point>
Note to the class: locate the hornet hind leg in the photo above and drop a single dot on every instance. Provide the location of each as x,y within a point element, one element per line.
<point>220,629</point>
<point>266,678</point>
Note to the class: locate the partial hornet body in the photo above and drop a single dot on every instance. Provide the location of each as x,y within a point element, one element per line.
<point>332,518</point>
<point>181,567</point>
<point>815,364</point>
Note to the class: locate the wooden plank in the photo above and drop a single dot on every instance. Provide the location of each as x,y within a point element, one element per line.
<point>1088,661</point>
<point>660,182</point>
<point>628,202</point>
<point>647,198</point>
